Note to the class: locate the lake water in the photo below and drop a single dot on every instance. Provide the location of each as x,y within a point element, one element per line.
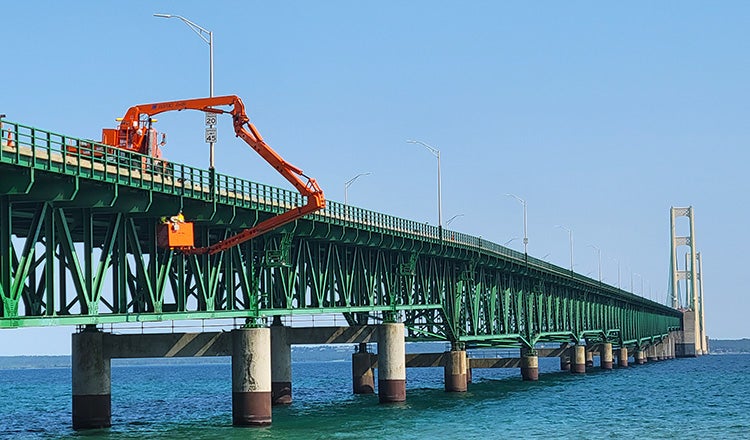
<point>706,397</point>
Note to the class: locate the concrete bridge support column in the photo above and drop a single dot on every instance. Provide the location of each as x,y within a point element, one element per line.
<point>391,363</point>
<point>660,351</point>
<point>468,370</point>
<point>640,357</point>
<point>622,358</point>
<point>605,356</point>
<point>565,360</point>
<point>579,359</point>
<point>670,347</point>
<point>91,377</point>
<point>686,345</point>
<point>251,376</point>
<point>651,353</point>
<point>455,371</point>
<point>589,359</point>
<point>529,365</point>
<point>281,365</point>
<point>363,379</point>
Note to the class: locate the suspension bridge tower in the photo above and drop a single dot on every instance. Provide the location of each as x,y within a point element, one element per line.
<point>686,285</point>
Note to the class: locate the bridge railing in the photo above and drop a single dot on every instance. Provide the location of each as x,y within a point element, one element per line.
<point>46,150</point>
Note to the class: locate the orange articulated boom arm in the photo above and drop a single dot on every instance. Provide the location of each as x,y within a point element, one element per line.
<point>247,132</point>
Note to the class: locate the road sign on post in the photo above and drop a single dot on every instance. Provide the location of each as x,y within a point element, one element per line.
<point>210,128</point>
<point>210,135</point>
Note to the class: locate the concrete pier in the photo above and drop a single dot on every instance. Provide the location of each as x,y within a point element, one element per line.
<point>281,365</point>
<point>565,359</point>
<point>455,371</point>
<point>589,359</point>
<point>529,367</point>
<point>391,363</point>
<point>579,359</point>
<point>651,355</point>
<point>622,357</point>
<point>686,338</point>
<point>91,374</point>
<point>363,379</point>
<point>251,377</point>
<point>605,356</point>
<point>670,347</point>
<point>641,357</point>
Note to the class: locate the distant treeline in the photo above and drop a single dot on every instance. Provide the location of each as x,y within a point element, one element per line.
<point>300,353</point>
<point>729,345</point>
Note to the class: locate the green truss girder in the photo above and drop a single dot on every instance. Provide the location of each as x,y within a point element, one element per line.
<point>89,219</point>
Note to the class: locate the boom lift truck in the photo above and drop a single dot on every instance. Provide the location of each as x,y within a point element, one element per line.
<point>135,133</point>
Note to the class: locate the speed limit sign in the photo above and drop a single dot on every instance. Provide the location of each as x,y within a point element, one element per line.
<point>210,135</point>
<point>210,119</point>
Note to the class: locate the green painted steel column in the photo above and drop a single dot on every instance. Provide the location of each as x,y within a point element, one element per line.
<point>6,255</point>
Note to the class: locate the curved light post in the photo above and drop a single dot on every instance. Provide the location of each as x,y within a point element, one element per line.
<point>570,238</point>
<point>525,234</point>
<point>435,152</point>
<point>641,277</point>
<point>618,270</point>
<point>208,37</point>
<point>448,223</point>
<point>511,241</point>
<point>349,183</point>
<point>599,253</point>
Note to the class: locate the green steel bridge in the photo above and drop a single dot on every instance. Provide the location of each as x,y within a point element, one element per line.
<point>78,246</point>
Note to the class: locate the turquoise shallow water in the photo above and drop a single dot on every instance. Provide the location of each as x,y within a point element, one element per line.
<point>707,397</point>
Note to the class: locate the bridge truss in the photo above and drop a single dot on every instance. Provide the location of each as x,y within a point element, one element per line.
<point>78,246</point>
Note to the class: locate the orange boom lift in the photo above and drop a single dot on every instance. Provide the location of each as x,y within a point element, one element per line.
<point>136,134</point>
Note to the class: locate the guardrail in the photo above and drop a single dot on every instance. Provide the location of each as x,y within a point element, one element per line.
<point>45,150</point>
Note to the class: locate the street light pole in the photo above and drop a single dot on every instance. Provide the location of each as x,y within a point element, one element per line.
<point>641,277</point>
<point>525,234</point>
<point>510,241</point>
<point>349,183</point>
<point>435,152</point>
<point>618,271</point>
<point>208,37</point>
<point>448,223</point>
<point>599,253</point>
<point>570,238</point>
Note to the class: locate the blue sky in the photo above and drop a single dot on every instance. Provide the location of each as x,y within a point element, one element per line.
<point>601,116</point>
